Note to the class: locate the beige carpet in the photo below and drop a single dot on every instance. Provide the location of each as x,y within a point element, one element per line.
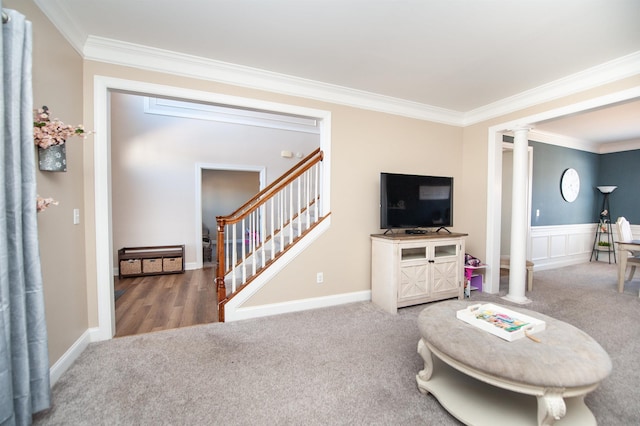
<point>346,365</point>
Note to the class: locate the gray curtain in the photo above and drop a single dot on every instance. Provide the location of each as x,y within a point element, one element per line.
<point>24,360</point>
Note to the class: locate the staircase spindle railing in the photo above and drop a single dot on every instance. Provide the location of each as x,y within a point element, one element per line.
<point>263,228</point>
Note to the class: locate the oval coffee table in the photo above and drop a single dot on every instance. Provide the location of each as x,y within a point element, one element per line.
<point>482,379</point>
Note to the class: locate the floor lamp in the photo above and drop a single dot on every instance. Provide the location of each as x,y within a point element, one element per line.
<point>604,227</point>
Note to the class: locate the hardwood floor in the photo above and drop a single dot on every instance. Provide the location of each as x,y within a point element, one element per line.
<point>162,302</point>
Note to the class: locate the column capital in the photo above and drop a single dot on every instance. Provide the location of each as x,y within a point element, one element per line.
<point>521,128</point>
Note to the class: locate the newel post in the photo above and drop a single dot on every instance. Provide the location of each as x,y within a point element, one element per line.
<point>220,269</point>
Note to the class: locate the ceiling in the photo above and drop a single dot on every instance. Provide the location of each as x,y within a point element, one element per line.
<point>457,56</point>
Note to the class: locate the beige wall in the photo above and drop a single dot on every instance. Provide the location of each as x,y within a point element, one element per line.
<point>364,143</point>
<point>57,76</point>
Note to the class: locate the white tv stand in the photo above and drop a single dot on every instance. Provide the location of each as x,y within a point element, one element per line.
<point>410,269</point>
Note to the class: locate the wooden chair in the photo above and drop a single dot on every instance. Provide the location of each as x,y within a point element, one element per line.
<point>624,234</point>
<point>505,263</point>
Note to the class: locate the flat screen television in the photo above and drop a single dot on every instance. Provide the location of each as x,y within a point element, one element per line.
<point>415,202</point>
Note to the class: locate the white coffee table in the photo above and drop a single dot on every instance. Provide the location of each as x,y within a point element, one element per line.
<point>482,379</point>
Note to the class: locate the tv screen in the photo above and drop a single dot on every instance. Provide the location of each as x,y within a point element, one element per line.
<point>415,201</point>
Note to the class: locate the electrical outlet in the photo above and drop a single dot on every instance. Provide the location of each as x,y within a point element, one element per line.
<point>319,277</point>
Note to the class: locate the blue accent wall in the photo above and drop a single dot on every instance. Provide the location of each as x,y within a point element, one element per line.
<point>621,169</point>
<point>549,163</point>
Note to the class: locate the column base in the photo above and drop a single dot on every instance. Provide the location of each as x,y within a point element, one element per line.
<point>521,300</point>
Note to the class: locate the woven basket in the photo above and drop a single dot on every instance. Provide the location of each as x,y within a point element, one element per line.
<point>151,265</point>
<point>130,267</point>
<point>171,264</point>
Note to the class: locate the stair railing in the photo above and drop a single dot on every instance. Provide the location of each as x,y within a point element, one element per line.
<point>263,228</point>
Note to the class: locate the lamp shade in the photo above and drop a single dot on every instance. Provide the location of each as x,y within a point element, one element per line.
<point>606,189</point>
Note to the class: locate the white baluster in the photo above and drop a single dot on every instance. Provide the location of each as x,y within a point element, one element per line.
<point>234,255</point>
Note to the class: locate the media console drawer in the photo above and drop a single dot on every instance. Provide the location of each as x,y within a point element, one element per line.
<point>150,260</point>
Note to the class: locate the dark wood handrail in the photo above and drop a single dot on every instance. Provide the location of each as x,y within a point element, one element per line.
<point>260,198</point>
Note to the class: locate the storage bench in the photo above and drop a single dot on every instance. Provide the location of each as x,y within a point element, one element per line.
<point>151,260</point>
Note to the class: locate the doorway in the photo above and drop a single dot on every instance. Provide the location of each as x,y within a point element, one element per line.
<point>104,87</point>
<point>223,188</point>
<point>494,177</point>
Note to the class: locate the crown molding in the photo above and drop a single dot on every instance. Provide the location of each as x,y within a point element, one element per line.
<point>617,69</point>
<point>128,54</point>
<point>563,141</point>
<point>581,144</point>
<point>200,111</point>
<point>609,148</point>
<point>153,59</point>
<point>63,22</point>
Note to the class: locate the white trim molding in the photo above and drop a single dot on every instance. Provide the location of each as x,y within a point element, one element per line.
<point>175,63</point>
<point>583,145</point>
<point>608,72</point>
<point>225,114</point>
<point>143,57</point>
<point>301,305</point>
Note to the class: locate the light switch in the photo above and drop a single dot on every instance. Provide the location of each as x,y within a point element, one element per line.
<point>76,216</point>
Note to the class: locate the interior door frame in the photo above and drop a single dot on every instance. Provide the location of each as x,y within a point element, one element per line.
<point>200,167</point>
<point>98,197</point>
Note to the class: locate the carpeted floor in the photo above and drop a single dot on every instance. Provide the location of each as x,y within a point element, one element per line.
<point>352,364</point>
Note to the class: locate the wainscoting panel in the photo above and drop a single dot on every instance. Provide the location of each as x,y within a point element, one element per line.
<point>562,245</point>
<point>558,245</point>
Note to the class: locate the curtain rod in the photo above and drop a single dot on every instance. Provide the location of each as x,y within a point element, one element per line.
<point>5,17</point>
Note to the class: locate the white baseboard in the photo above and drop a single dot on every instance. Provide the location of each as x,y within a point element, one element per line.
<point>298,305</point>
<point>69,357</point>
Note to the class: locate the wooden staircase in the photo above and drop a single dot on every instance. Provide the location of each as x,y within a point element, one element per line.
<point>252,238</point>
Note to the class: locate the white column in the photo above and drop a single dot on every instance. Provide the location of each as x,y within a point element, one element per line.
<point>519,225</point>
